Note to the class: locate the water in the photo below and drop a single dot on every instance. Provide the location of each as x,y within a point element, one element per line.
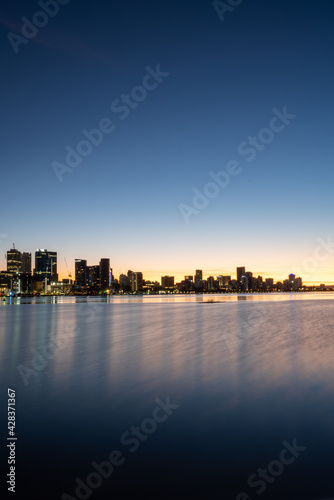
<point>244,375</point>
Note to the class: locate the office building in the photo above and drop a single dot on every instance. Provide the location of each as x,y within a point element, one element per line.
<point>241,271</point>
<point>45,266</point>
<point>104,274</point>
<point>6,280</point>
<point>223,281</point>
<point>136,281</point>
<point>80,272</point>
<point>124,281</point>
<point>167,281</point>
<point>211,284</point>
<point>93,277</point>
<point>243,283</point>
<point>26,263</point>
<point>14,261</point>
<point>198,278</point>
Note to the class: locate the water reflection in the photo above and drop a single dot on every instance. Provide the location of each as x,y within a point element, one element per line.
<point>249,371</point>
<point>173,298</point>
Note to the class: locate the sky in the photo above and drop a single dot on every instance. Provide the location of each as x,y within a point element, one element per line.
<point>180,89</point>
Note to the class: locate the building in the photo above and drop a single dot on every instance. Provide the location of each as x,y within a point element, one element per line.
<point>298,283</point>
<point>64,287</point>
<point>241,271</point>
<point>223,281</point>
<point>293,283</point>
<point>45,266</point>
<point>249,276</point>
<point>53,265</point>
<point>124,282</point>
<point>93,277</point>
<point>80,272</point>
<point>198,278</point>
<point>136,281</point>
<point>167,281</point>
<point>14,261</point>
<point>24,283</point>
<point>105,274</point>
<point>243,283</point>
<point>212,284</point>
<point>26,263</point>
<point>187,285</point>
<point>6,280</point>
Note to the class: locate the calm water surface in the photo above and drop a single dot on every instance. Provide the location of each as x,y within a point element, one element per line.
<point>247,372</point>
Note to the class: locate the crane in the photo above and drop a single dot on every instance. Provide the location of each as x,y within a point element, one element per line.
<point>68,271</point>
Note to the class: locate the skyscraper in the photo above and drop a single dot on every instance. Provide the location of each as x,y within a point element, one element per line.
<point>241,271</point>
<point>45,266</point>
<point>53,266</point>
<point>136,281</point>
<point>104,274</point>
<point>26,263</point>
<point>80,272</point>
<point>93,279</point>
<point>198,278</point>
<point>14,261</point>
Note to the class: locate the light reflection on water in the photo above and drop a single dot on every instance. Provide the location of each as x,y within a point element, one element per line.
<point>170,298</point>
<point>248,372</point>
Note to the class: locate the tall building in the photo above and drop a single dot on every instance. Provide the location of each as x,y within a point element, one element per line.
<point>14,261</point>
<point>212,284</point>
<point>298,283</point>
<point>93,277</point>
<point>124,281</point>
<point>269,284</point>
<point>104,274</point>
<point>198,278</point>
<point>80,272</point>
<point>53,266</point>
<point>46,266</point>
<point>136,281</point>
<point>249,277</point>
<point>26,263</point>
<point>241,271</point>
<point>244,283</point>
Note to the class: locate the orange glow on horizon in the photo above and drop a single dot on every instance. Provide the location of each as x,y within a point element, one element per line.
<point>152,275</point>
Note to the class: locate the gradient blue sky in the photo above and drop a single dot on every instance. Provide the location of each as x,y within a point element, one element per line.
<point>225,78</point>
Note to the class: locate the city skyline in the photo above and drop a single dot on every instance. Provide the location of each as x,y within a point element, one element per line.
<point>64,268</point>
